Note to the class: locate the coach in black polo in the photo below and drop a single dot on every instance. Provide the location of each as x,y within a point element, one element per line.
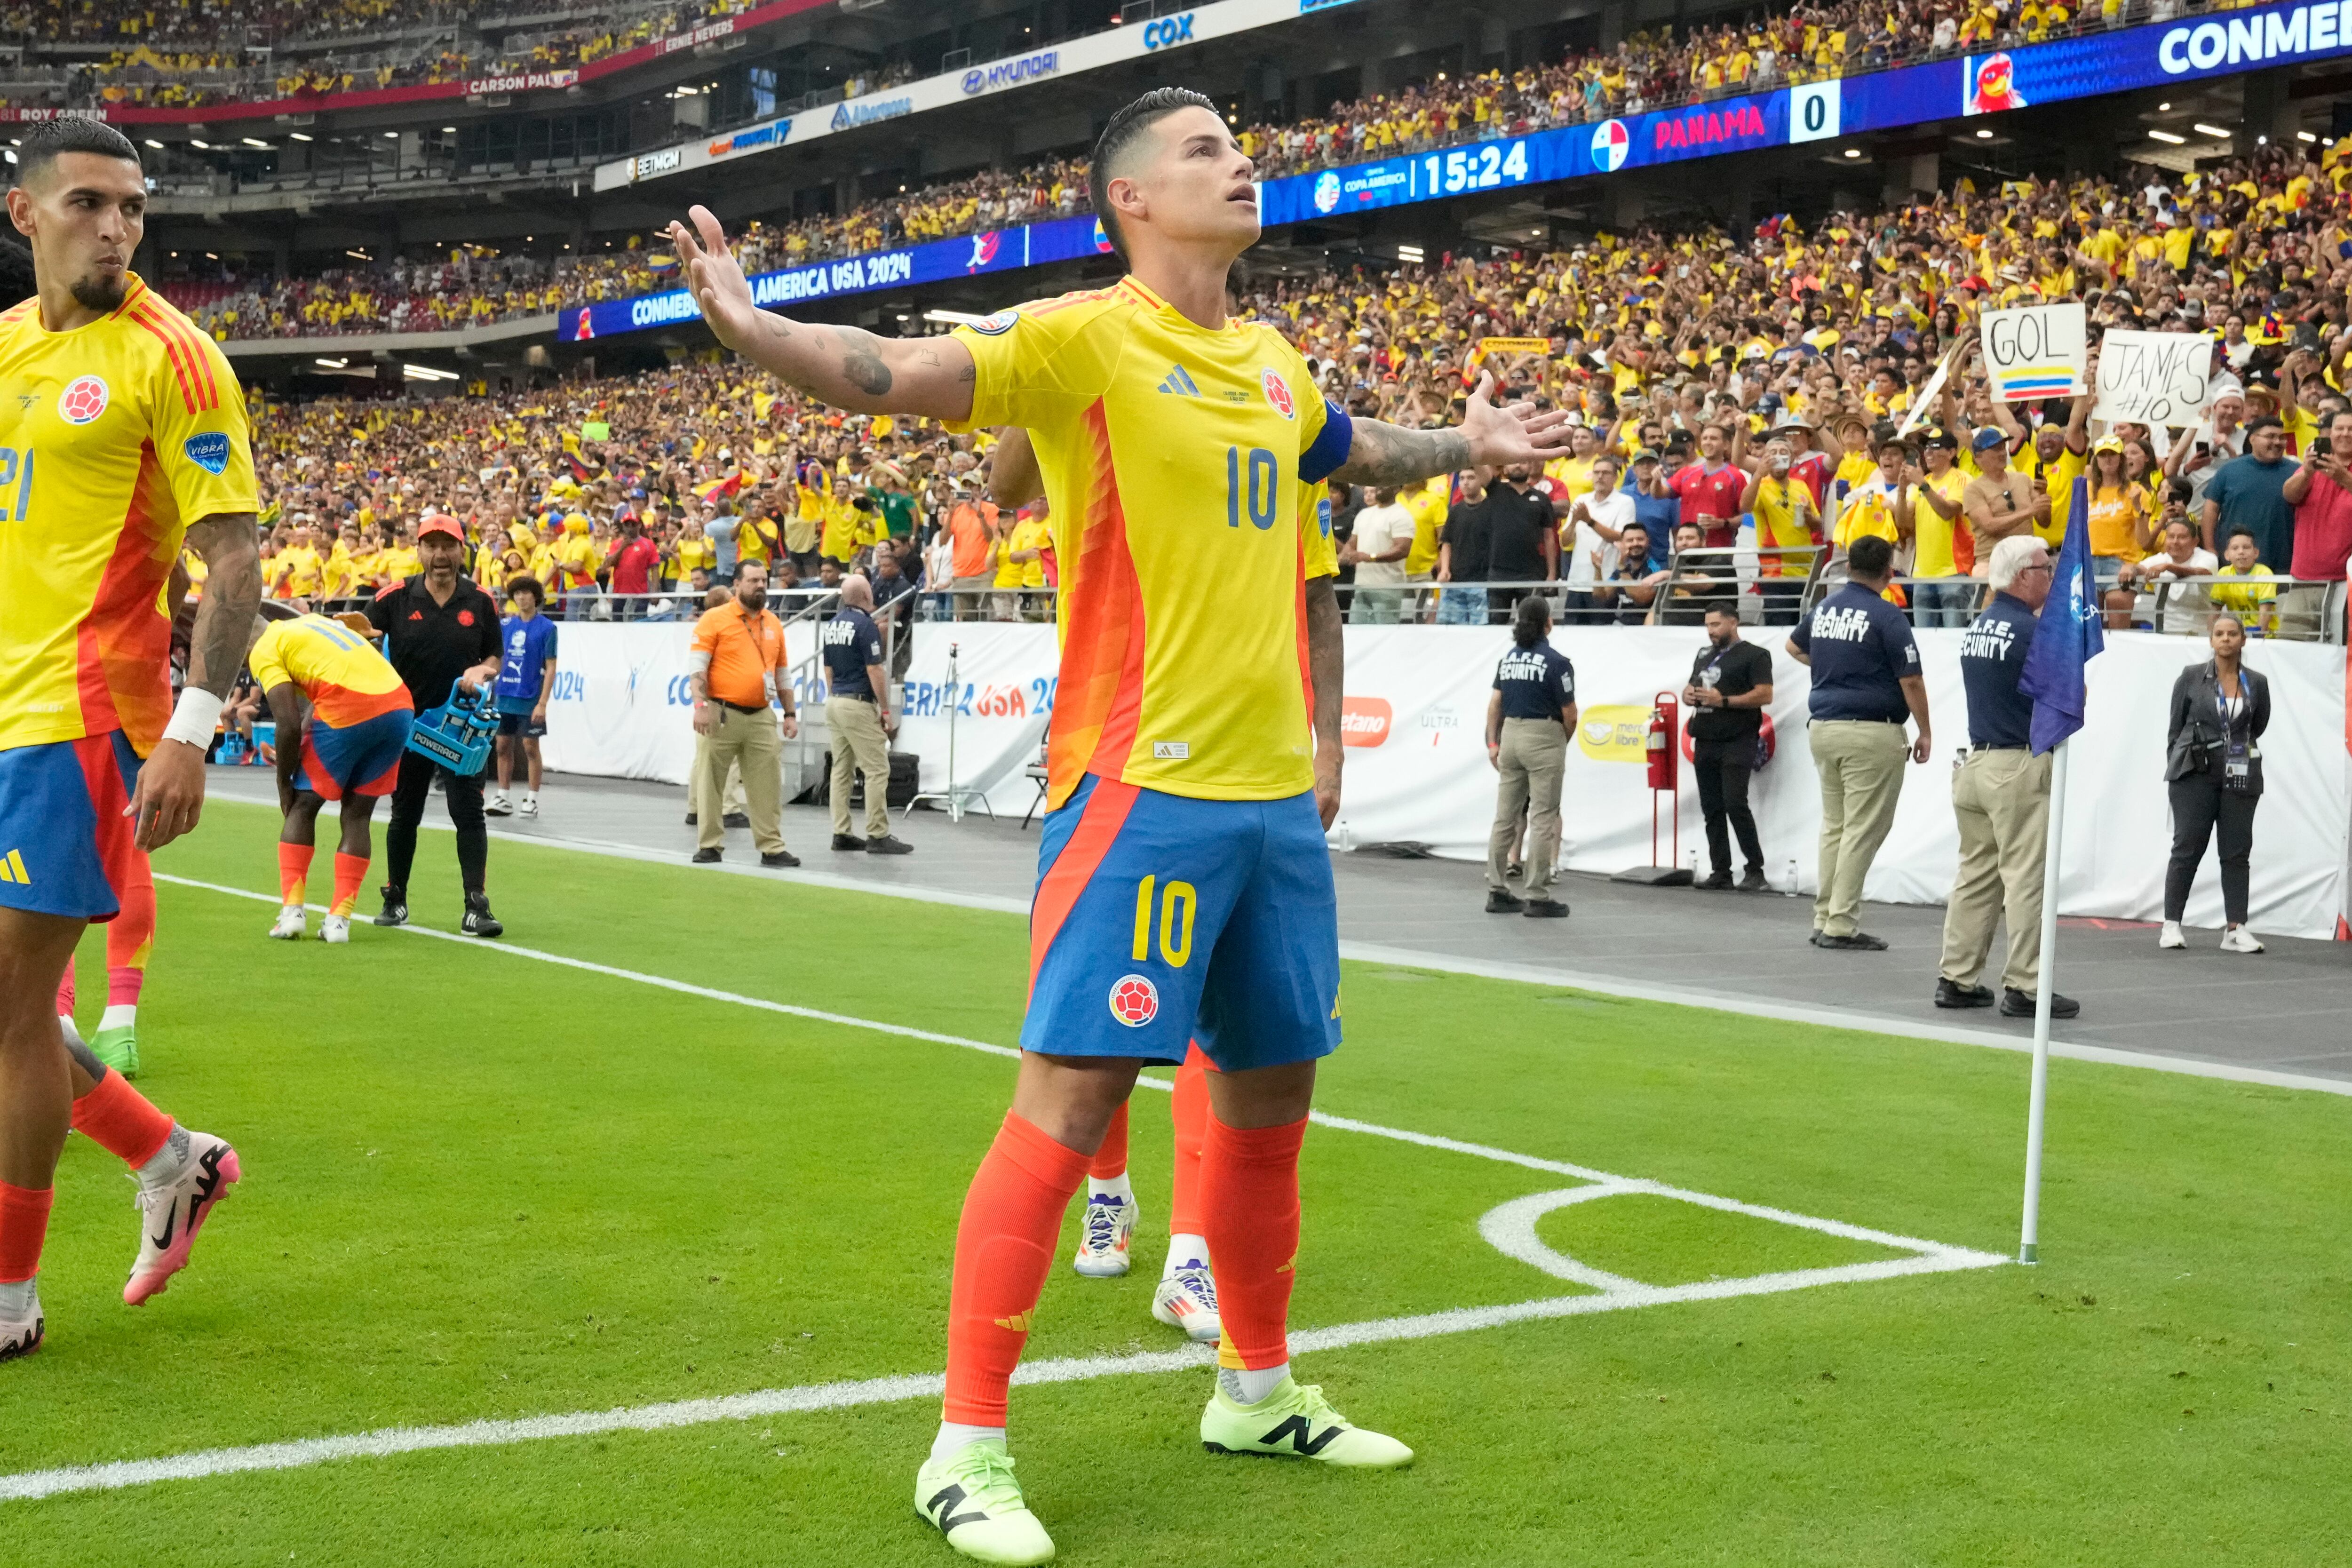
<point>439,628</point>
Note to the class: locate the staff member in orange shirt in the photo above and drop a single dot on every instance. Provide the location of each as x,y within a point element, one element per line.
<point>737,661</point>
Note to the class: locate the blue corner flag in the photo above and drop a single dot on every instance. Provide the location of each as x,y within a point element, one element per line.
<point>2070,636</point>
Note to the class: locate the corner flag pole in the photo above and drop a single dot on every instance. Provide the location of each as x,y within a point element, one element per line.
<point>2029,1237</point>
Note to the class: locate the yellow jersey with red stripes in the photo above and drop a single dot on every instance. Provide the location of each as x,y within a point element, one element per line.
<point>1173,457</point>
<point>113,438</point>
<point>346,679</point>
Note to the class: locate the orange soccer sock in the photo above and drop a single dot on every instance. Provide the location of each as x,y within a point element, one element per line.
<point>122,1121</point>
<point>293,872</point>
<point>130,936</point>
<point>1249,1201</point>
<point>1110,1162</point>
<point>350,871</point>
<point>1190,1108</point>
<point>1004,1245</point>
<point>24,1225</point>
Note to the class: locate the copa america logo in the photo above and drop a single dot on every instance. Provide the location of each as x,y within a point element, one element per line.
<point>1327,191</point>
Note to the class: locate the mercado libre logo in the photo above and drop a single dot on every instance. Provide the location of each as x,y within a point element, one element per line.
<point>1327,191</point>
<point>1610,143</point>
<point>83,400</point>
<point>1614,733</point>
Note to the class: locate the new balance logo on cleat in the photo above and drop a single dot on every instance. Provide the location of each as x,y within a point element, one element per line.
<point>1180,382</point>
<point>941,1507</point>
<point>1300,1434</point>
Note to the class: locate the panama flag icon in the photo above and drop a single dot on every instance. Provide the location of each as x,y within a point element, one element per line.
<point>1609,145</point>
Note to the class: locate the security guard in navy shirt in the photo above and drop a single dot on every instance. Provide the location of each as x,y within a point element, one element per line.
<point>1866,678</point>
<point>2001,796</point>
<point>857,714</point>
<point>1528,721</point>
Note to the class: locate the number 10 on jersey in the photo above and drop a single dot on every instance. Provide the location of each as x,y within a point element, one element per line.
<point>1256,490</point>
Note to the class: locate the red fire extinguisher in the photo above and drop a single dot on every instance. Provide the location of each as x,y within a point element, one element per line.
<point>1664,754</point>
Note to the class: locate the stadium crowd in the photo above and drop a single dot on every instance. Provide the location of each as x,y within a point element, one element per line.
<point>1722,381</point>
<point>1648,71</point>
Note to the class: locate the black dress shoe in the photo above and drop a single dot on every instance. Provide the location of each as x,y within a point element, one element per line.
<point>1499,903</point>
<point>887,844</point>
<point>1545,910</point>
<point>1715,883</point>
<point>690,818</point>
<point>1816,938</point>
<point>1754,881</point>
<point>781,860</point>
<point>1860,941</point>
<point>735,819</point>
<point>847,841</point>
<point>2016,1003</point>
<point>706,856</point>
<point>1952,993</point>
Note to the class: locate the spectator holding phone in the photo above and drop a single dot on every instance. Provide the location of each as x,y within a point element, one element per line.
<point>2178,560</point>
<point>2214,772</point>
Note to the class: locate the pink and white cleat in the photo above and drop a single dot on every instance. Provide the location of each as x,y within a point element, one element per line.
<point>21,1330</point>
<point>175,1210</point>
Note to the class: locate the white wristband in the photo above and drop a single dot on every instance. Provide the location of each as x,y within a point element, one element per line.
<point>195,718</point>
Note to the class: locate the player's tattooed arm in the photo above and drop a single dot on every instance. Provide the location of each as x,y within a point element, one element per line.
<point>1382,454</point>
<point>928,377</point>
<point>231,552</point>
<point>1327,665</point>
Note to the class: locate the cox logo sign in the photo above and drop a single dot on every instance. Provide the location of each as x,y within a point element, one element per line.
<point>1167,30</point>
<point>679,693</point>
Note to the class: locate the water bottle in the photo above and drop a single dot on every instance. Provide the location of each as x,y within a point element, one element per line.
<point>1792,877</point>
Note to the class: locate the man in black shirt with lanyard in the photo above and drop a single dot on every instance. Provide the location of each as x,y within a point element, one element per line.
<point>2001,796</point>
<point>1730,687</point>
<point>439,629</point>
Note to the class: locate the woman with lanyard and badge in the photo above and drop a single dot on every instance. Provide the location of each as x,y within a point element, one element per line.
<point>2213,768</point>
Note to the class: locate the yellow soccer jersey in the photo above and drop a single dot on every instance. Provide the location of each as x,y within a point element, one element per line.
<point>346,679</point>
<point>1173,456</point>
<point>113,438</point>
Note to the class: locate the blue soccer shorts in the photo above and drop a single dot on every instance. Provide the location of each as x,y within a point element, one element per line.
<point>1161,919</point>
<point>361,758</point>
<point>65,849</point>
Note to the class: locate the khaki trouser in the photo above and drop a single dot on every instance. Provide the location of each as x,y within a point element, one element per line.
<point>753,740</point>
<point>1533,760</point>
<point>2002,801</point>
<point>971,603</point>
<point>1861,767</point>
<point>859,746</point>
<point>734,794</point>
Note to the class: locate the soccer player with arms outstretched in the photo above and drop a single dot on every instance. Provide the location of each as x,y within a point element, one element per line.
<point>1193,760</point>
<point>122,432</point>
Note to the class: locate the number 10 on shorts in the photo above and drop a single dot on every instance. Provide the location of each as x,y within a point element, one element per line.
<point>1175,909</point>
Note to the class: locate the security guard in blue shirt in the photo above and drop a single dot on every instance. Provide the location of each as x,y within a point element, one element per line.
<point>858,715</point>
<point>1528,721</point>
<point>2000,794</point>
<point>1866,679</point>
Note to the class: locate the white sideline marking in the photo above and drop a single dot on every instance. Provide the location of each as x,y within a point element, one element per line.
<point>1510,1227</point>
<point>1524,973</point>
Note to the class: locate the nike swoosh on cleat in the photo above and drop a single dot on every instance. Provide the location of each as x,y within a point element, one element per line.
<point>171,1227</point>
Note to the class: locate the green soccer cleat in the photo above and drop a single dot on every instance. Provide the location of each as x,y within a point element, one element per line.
<point>118,1048</point>
<point>971,1496</point>
<point>1294,1422</point>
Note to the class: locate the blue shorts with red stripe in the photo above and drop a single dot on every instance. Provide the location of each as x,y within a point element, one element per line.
<point>65,849</point>
<point>1161,919</point>
<point>360,759</point>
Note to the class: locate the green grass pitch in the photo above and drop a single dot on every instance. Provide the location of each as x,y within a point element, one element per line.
<point>483,1186</point>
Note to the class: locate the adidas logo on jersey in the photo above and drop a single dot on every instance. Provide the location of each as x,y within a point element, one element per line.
<point>12,870</point>
<point>1180,382</point>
